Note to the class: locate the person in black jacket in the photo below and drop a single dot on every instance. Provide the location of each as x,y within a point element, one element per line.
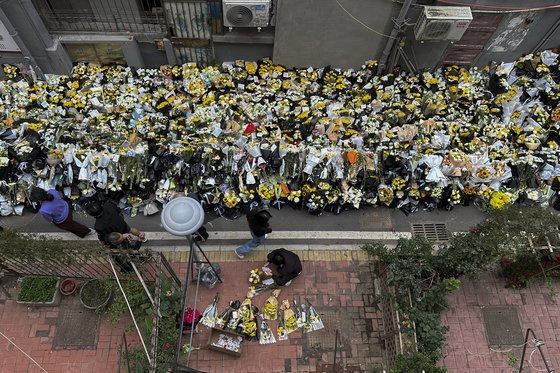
<point>258,225</point>
<point>108,219</point>
<point>287,266</point>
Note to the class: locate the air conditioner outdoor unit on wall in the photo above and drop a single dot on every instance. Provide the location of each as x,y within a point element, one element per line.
<point>443,23</point>
<point>246,13</point>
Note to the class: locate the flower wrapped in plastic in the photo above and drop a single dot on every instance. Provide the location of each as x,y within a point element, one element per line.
<point>255,276</point>
<point>224,317</point>
<point>290,321</point>
<point>230,199</point>
<point>249,326</point>
<point>270,308</point>
<point>210,313</point>
<point>385,194</point>
<point>281,330</point>
<point>266,191</point>
<point>314,318</point>
<point>266,334</point>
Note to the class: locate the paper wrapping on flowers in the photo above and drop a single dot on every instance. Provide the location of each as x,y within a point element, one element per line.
<point>435,173</point>
<point>181,124</point>
<point>270,308</point>
<point>289,317</point>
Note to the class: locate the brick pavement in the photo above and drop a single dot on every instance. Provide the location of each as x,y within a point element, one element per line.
<point>341,289</point>
<point>33,329</point>
<point>467,347</point>
<point>338,283</point>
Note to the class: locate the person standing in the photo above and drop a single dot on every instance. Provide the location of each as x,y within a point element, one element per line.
<point>259,227</point>
<point>124,241</point>
<point>58,211</point>
<point>108,219</point>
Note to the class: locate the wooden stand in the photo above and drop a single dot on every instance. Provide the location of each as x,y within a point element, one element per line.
<point>215,334</point>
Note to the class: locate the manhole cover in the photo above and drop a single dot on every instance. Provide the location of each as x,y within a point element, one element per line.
<point>502,326</point>
<point>76,327</point>
<point>431,231</point>
<point>324,339</point>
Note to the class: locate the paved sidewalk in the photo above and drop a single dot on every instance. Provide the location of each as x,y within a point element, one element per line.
<point>467,348</point>
<point>339,283</point>
<point>33,330</point>
<point>341,290</point>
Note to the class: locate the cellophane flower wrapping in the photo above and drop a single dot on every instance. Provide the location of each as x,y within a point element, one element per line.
<point>266,334</point>
<point>210,313</point>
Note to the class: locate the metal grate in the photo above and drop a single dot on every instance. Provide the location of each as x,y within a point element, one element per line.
<point>436,232</point>
<point>502,326</point>
<point>324,338</point>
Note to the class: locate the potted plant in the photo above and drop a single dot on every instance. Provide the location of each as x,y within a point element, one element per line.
<point>67,286</point>
<point>39,291</point>
<point>94,296</point>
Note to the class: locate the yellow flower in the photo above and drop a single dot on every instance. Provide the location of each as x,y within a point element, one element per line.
<point>499,200</point>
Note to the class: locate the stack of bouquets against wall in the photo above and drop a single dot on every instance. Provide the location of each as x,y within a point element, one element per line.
<point>250,133</point>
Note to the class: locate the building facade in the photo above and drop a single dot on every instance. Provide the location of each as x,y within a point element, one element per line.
<point>52,35</point>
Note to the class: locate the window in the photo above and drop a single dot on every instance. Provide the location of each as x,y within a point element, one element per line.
<point>149,5</point>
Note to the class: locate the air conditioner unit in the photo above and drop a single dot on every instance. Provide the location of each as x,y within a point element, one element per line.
<point>443,23</point>
<point>246,13</point>
<point>7,43</point>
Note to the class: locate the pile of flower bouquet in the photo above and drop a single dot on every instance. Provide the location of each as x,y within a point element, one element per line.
<point>245,133</point>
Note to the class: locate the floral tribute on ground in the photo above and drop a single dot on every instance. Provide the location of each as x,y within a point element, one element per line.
<point>241,319</point>
<point>247,133</point>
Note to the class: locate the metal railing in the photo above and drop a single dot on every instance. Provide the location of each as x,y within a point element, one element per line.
<point>396,342</point>
<point>93,265</point>
<point>113,16</point>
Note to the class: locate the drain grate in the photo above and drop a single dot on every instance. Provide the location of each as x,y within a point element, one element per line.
<point>324,339</point>
<point>76,327</point>
<point>502,326</point>
<point>436,232</point>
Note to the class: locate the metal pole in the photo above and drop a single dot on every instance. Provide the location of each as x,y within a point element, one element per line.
<point>538,344</point>
<point>397,28</point>
<point>145,287</point>
<point>182,314</point>
<point>207,261</point>
<point>126,352</point>
<point>335,350</point>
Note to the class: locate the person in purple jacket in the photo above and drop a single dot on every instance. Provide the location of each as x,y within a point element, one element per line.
<point>58,211</point>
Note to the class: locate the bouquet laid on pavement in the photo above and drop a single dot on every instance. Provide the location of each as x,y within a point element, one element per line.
<point>222,320</point>
<point>270,309</point>
<point>298,314</point>
<point>210,313</point>
<point>266,337</point>
<point>290,323</point>
<point>305,320</point>
<point>314,319</point>
<point>282,334</point>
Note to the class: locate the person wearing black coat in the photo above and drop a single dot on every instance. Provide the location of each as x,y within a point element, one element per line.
<point>286,264</point>
<point>259,227</point>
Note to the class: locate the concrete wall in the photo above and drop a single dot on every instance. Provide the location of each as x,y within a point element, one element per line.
<point>517,34</point>
<point>520,34</point>
<point>319,33</point>
<point>11,58</point>
<point>226,52</point>
<point>33,38</point>
<point>152,57</point>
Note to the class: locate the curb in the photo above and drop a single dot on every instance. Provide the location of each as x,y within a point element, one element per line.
<point>260,256</point>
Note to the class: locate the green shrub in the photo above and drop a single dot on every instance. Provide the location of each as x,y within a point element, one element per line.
<point>37,289</point>
<point>415,363</point>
